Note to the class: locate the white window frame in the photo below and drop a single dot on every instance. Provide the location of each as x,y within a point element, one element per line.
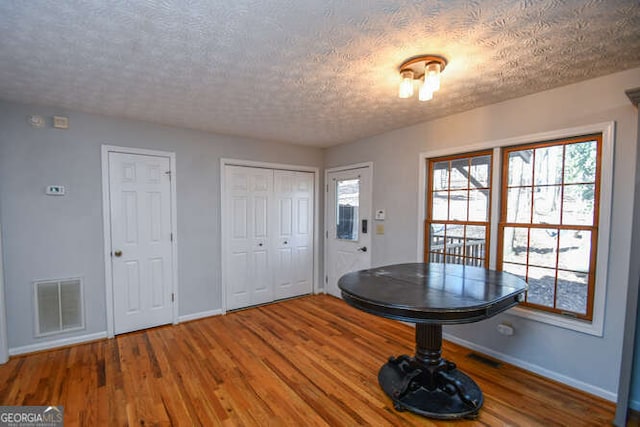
<point>596,325</point>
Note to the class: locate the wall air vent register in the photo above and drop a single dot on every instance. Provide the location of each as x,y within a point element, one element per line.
<point>58,306</point>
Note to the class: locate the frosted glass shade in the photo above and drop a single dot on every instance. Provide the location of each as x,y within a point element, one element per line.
<point>432,76</point>
<point>406,85</point>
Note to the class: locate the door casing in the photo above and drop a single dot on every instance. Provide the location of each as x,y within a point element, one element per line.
<point>106,221</point>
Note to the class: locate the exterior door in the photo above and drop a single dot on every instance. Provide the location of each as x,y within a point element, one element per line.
<point>348,224</point>
<point>141,251</point>
<point>249,276</point>
<point>293,269</point>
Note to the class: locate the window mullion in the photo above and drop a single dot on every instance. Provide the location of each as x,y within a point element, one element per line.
<point>495,228</point>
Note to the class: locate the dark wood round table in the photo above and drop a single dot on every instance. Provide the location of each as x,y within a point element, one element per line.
<point>431,295</point>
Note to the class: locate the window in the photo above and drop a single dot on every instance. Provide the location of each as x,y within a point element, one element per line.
<point>348,198</point>
<point>550,218</point>
<point>548,227</point>
<point>457,225</point>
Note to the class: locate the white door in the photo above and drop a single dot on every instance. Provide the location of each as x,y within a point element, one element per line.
<point>248,271</point>
<point>293,268</point>
<point>348,224</point>
<point>141,252</point>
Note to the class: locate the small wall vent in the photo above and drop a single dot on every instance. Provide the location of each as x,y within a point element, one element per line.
<point>59,306</point>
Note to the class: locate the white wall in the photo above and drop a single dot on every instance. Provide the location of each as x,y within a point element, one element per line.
<point>587,361</point>
<point>57,237</point>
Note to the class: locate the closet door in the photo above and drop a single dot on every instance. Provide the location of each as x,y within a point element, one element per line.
<point>293,237</point>
<point>248,266</point>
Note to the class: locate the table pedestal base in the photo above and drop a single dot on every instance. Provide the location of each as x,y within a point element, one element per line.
<point>427,384</point>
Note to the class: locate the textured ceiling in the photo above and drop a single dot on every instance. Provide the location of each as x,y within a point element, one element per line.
<point>303,71</point>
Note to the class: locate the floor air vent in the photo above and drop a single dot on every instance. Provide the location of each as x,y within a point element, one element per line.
<point>479,358</point>
<point>59,306</point>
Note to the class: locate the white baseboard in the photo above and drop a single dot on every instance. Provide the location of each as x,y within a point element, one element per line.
<point>635,405</point>
<point>200,315</point>
<point>48,345</point>
<point>580,385</point>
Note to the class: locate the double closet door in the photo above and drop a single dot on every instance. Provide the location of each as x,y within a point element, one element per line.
<point>268,253</point>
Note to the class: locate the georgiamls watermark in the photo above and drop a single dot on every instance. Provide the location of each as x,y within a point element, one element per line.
<point>31,416</point>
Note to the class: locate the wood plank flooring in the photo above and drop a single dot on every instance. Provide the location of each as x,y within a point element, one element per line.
<point>311,361</point>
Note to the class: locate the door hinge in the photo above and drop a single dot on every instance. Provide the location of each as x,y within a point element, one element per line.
<point>326,279</point>
<point>171,236</point>
<point>173,297</point>
<point>327,234</point>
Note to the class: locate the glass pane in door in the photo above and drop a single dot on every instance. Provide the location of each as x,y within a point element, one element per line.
<point>347,202</point>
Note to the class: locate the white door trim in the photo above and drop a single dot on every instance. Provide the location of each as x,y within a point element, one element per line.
<point>326,209</point>
<point>4,345</point>
<point>106,216</point>
<point>223,219</point>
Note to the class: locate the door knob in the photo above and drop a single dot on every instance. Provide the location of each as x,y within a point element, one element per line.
<point>118,253</point>
<point>259,244</point>
<point>363,249</point>
<point>285,242</point>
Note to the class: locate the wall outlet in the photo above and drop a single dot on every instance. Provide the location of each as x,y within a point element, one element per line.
<point>505,329</point>
<point>60,122</point>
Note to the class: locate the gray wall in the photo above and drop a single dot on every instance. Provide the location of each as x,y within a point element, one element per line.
<point>55,237</point>
<point>582,358</point>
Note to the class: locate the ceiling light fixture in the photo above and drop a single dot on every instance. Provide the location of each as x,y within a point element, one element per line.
<point>426,70</point>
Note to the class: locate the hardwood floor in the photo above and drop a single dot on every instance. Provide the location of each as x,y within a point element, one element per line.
<point>310,361</point>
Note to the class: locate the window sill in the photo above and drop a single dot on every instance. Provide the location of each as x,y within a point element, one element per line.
<point>592,328</point>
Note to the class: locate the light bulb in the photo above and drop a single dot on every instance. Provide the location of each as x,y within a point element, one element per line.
<point>425,94</point>
<point>406,85</point>
<point>432,76</point>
